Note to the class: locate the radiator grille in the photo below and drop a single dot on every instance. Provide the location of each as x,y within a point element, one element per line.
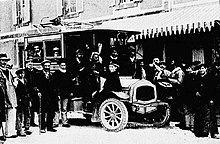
<point>145,93</point>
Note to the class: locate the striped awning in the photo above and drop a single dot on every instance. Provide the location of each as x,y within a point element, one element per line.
<point>178,19</point>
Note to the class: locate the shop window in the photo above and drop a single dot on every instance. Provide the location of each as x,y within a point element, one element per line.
<point>43,47</point>
<point>35,51</point>
<point>125,1</point>
<point>72,8</point>
<point>21,12</point>
<point>53,49</point>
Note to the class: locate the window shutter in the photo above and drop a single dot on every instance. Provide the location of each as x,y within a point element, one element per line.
<point>59,7</point>
<point>79,5</point>
<point>14,12</point>
<point>26,11</point>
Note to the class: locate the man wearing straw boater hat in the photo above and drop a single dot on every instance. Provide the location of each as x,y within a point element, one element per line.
<point>8,92</point>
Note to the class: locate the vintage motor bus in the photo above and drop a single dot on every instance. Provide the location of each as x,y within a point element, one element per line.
<point>137,102</point>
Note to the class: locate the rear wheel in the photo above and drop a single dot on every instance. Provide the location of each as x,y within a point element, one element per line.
<point>113,115</point>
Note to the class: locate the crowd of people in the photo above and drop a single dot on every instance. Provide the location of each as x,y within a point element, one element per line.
<point>32,91</point>
<point>190,89</point>
<point>47,93</point>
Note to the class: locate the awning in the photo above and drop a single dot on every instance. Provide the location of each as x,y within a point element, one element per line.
<point>178,19</point>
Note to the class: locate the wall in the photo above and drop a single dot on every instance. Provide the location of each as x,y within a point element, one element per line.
<point>151,4</point>
<point>5,16</point>
<point>183,1</point>
<point>96,8</point>
<point>43,8</point>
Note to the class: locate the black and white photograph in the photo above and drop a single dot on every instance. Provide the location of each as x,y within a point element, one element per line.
<point>109,71</point>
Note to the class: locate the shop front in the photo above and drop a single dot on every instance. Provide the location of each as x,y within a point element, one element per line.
<point>186,33</point>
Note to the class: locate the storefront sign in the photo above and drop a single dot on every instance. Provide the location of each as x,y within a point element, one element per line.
<point>10,36</point>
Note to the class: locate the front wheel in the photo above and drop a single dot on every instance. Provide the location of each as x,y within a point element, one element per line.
<point>113,115</point>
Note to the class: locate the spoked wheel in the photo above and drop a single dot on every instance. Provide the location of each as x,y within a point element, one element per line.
<point>159,117</point>
<point>113,115</point>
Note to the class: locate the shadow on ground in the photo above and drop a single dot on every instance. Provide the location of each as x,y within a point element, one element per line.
<point>84,123</point>
<point>130,125</point>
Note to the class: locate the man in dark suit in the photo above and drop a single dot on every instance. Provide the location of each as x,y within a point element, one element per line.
<point>80,76</point>
<point>30,74</point>
<point>205,121</point>
<point>45,87</point>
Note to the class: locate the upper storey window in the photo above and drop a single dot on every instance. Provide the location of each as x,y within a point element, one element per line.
<point>124,4</point>
<point>125,1</point>
<point>21,12</point>
<point>72,8</point>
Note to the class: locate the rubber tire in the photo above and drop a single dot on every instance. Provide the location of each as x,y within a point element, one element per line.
<point>123,111</point>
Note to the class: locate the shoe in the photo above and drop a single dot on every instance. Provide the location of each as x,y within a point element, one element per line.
<point>12,136</point>
<point>52,130</point>
<point>2,138</point>
<point>66,125</point>
<point>21,134</point>
<point>182,126</point>
<point>34,125</point>
<point>56,125</point>
<point>42,131</point>
<point>215,136</point>
<point>28,132</point>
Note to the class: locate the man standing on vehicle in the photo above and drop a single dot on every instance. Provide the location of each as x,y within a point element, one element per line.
<point>80,77</point>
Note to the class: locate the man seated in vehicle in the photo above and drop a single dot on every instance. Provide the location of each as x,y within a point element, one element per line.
<point>112,82</point>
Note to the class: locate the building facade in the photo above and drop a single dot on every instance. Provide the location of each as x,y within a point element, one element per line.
<point>182,28</point>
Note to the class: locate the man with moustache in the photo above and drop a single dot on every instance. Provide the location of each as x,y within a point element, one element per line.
<point>45,87</point>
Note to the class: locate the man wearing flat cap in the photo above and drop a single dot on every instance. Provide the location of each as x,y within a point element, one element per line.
<point>8,92</point>
<point>63,89</point>
<point>44,86</point>
<point>23,108</point>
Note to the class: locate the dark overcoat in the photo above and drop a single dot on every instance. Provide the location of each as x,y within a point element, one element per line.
<point>205,117</point>
<point>63,84</point>
<point>49,100</point>
<point>30,77</point>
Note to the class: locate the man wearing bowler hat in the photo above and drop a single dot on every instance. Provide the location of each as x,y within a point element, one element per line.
<point>44,86</point>
<point>8,91</point>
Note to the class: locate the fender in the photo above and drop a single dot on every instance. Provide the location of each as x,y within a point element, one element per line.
<point>121,95</point>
